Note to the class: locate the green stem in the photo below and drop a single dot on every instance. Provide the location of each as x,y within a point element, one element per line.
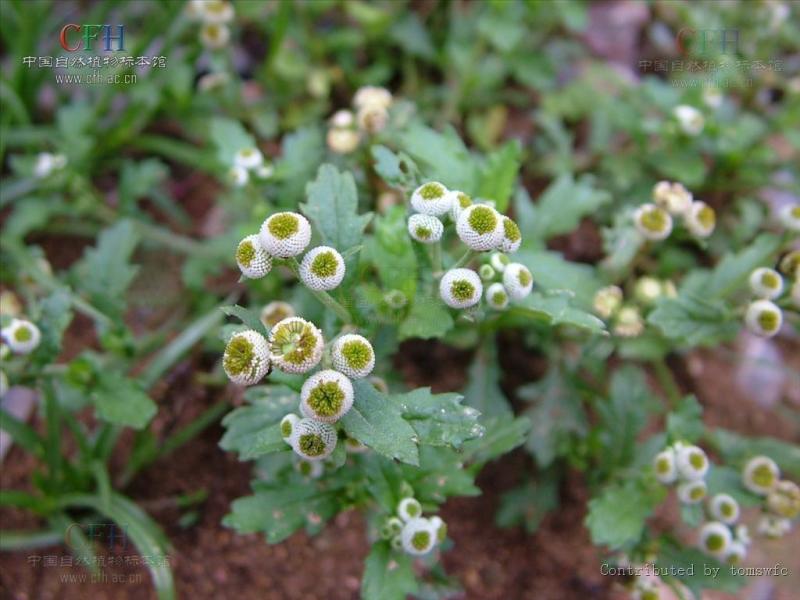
<point>465,259</point>
<point>436,259</point>
<point>667,381</point>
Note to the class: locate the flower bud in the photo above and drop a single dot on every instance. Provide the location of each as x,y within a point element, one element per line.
<point>480,227</point>
<point>790,217</point>
<point>326,396</point>
<point>216,11</point>
<point>253,260</point>
<point>763,318</point>
<point>342,141</point>
<point>628,322</point>
<point>275,312</point>
<point>700,219</point>
<point>607,301</point>
<point>692,462</point>
<point>458,202</point>
<point>408,509</point>
<point>248,158</point>
<point>715,538</point>
<point>372,96</point>
<point>418,536</point>
<point>689,119</point>
<point>784,500</point>
<point>647,290</point>
<point>498,260</point>
<point>517,280</point>
<point>431,198</point>
<point>665,467</point>
<point>296,345</point>
<point>653,222</point>
<point>246,359</point>
<point>512,237</point>
<point>723,507</point>
<point>760,475</point>
<point>322,269</point>
<point>288,423</point>
<point>238,176</point>
<point>486,272</point>
<point>215,35</point>
<point>313,469</point>
<point>692,492</point>
<point>766,283</point>
<point>313,440</point>
<point>353,355</point>
<point>285,234</point>
<point>425,228</point>
<point>460,288</point>
<point>496,296</point>
<point>672,197</point>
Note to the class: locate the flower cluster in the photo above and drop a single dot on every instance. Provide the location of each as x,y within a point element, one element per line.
<point>412,533</point>
<point>762,477</point>
<point>215,16</point>
<point>763,317</point>
<point>686,465</point>
<point>481,228</point>
<point>626,318</point>
<point>247,161</point>
<point>655,220</point>
<point>286,235</point>
<point>372,114</point>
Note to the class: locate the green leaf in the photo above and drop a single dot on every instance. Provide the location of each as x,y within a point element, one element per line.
<point>501,435</point>
<point>104,273</point>
<point>254,430</point>
<point>693,321</point>
<point>551,271</point>
<point>696,570</point>
<point>556,415</point>
<point>333,207</point>
<point>733,270</point>
<point>439,419</point>
<point>302,152</point>
<point>686,421</point>
<point>528,504</point>
<point>247,316</point>
<point>397,170</point>
<point>483,388</point>
<point>375,420</point>
<point>388,575</point>
<point>229,137</point>
<point>498,174</point>
<point>617,517</point>
<point>122,401</point>
<point>389,250</point>
<point>54,316</point>
<point>554,307</point>
<point>736,448</point>
<point>442,157</point>
<point>279,510</point>
<point>428,318</point>
<point>561,207</point>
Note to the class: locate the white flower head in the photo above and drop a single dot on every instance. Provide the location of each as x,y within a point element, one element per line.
<point>238,176</point>
<point>628,322</point>
<point>288,423</point>
<point>342,119</point>
<point>672,197</point>
<point>248,158</point>
<point>246,358</point>
<point>372,96</point>
<point>322,268</point>
<point>607,301</point>
<point>742,535</point>
<point>763,318</point>
<point>391,527</point>
<point>353,355</point>
<point>665,467</point>
<point>725,508</point>
<point>789,264</point>
<point>760,475</point>
<point>766,283</point>
<point>46,163</point>
<point>419,536</point>
<point>480,227</point>
<point>498,260</point>
<point>460,288</point>
<point>312,469</point>
<point>512,237</point>
<point>690,119</point>
<point>487,272</point>
<point>700,219</point>
<point>784,500</point>
<point>22,336</point>
<point>408,509</point>
<point>217,11</point>
<point>275,312</point>
<point>692,462</point>
<point>425,228</point>
<point>692,492</point>
<point>458,202</point>
<point>647,290</point>
<point>342,140</point>
<point>715,538</point>
<point>431,198</point>
<point>517,280</point>
<point>372,118</point>
<point>736,553</point>
<point>253,260</point>
<point>215,35</point>
<point>296,345</point>
<point>653,222</point>
<point>313,440</point>
<point>440,527</point>
<point>285,234</point>
<point>496,296</point>
<point>790,217</point>
<point>264,171</point>
<point>326,396</point>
